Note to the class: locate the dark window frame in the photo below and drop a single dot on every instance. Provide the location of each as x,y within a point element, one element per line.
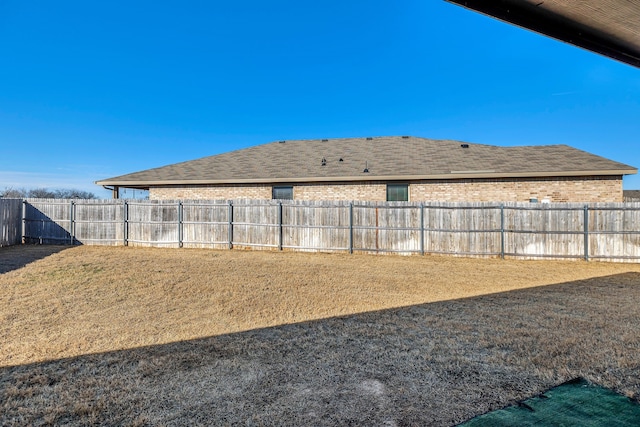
<point>394,192</point>
<point>275,189</point>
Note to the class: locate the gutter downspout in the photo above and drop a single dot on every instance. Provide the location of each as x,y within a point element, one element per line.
<point>115,191</point>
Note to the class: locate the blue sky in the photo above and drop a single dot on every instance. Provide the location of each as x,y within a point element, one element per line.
<point>92,90</point>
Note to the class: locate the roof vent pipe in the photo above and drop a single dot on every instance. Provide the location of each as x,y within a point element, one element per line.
<point>366,167</point>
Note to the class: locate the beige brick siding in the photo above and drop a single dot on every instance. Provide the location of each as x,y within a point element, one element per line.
<point>222,192</point>
<point>569,189</point>
<point>371,191</point>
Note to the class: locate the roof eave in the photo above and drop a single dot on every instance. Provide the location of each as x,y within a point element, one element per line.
<point>557,25</point>
<point>367,177</point>
<point>530,15</point>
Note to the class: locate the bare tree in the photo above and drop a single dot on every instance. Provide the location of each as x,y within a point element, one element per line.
<point>44,193</point>
<point>74,194</point>
<point>41,193</point>
<point>13,193</point>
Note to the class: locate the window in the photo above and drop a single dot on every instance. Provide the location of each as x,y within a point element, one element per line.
<point>397,192</point>
<point>283,193</point>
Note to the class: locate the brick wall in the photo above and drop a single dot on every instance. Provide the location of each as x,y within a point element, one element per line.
<point>222,192</point>
<point>369,191</point>
<point>564,189</point>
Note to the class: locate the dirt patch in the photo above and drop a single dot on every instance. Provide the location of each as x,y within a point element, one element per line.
<point>267,338</point>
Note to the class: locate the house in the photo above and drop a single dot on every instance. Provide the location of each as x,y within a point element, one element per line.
<point>395,168</point>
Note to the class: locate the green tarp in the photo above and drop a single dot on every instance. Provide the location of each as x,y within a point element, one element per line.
<point>575,403</point>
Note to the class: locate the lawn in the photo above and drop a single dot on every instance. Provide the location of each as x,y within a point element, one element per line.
<point>147,336</point>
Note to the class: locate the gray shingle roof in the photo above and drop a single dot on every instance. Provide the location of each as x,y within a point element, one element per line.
<point>386,158</point>
<point>631,194</point>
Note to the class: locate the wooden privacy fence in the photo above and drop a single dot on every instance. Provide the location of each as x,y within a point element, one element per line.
<point>10,221</point>
<point>523,230</point>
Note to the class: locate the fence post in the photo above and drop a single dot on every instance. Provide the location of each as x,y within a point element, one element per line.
<point>421,228</point>
<point>230,215</point>
<point>24,221</point>
<point>586,232</point>
<point>125,223</point>
<point>351,227</point>
<point>180,226</point>
<point>502,231</point>
<point>279,226</point>
<point>72,234</point>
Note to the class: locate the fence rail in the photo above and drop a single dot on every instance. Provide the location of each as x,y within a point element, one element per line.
<point>512,230</point>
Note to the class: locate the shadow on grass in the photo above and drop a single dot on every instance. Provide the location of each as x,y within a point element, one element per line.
<point>432,364</point>
<point>15,257</point>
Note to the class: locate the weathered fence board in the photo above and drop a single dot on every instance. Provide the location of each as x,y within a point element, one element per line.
<point>98,222</point>
<point>10,221</point>
<point>206,224</point>
<point>48,221</point>
<point>391,227</point>
<point>152,223</point>
<point>514,230</point>
<point>614,231</point>
<point>471,229</point>
<point>315,226</point>
<point>256,224</point>
<point>546,231</point>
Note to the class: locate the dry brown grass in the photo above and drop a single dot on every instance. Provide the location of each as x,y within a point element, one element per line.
<point>152,336</point>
